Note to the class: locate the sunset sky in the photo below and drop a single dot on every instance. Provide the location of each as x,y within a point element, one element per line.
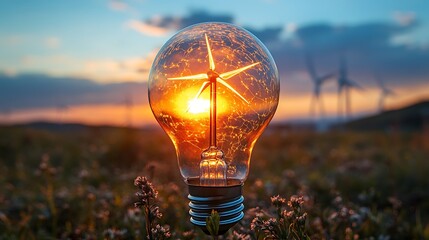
<point>88,61</point>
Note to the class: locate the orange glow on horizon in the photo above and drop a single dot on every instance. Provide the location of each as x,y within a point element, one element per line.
<point>118,115</point>
<point>290,107</point>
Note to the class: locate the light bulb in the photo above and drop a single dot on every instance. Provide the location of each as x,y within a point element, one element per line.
<point>213,88</point>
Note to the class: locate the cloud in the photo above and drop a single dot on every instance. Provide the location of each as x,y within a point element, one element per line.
<point>367,36</point>
<point>11,40</point>
<point>291,27</point>
<point>268,35</point>
<point>110,70</point>
<point>384,47</point>
<point>130,70</point>
<point>367,46</point>
<point>29,91</point>
<point>147,29</point>
<point>404,18</point>
<point>161,25</point>
<point>118,5</point>
<point>104,70</point>
<point>52,42</point>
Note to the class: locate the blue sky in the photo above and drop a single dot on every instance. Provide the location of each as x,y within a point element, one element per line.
<point>94,29</point>
<point>107,42</point>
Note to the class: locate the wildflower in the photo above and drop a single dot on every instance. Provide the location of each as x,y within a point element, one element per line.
<point>161,232</point>
<point>288,214</point>
<point>256,226</point>
<point>289,223</point>
<point>154,212</point>
<point>145,200</point>
<point>256,223</point>
<point>270,227</point>
<point>278,201</point>
<point>269,224</point>
<point>301,219</point>
<point>295,202</point>
<point>146,191</point>
<point>256,211</point>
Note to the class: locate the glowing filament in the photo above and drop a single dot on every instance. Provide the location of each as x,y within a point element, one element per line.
<point>197,106</point>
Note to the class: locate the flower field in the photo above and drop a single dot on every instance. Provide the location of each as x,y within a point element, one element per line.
<point>79,184</point>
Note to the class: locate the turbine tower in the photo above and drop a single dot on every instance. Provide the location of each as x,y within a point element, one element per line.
<point>384,93</point>
<point>344,87</point>
<point>318,81</point>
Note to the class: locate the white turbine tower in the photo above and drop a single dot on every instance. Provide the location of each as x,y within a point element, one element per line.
<point>384,93</point>
<point>318,81</point>
<point>344,87</point>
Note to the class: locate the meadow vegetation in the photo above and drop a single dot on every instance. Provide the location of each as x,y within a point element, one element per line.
<point>335,185</point>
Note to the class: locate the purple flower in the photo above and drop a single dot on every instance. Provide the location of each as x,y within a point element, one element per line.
<point>146,191</point>
<point>161,232</point>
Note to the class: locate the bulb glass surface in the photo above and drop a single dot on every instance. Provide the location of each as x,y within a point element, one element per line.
<point>231,63</point>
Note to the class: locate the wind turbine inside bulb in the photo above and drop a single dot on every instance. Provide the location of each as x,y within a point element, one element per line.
<point>212,166</point>
<point>248,99</point>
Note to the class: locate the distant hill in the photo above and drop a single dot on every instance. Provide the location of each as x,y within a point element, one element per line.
<point>60,127</point>
<point>55,127</point>
<point>414,117</point>
<point>75,127</point>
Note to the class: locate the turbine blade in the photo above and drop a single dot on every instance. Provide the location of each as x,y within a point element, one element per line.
<point>211,60</point>
<point>232,73</point>
<point>221,81</point>
<point>353,84</point>
<point>200,76</point>
<point>389,92</point>
<point>203,87</point>
<point>327,77</point>
<point>310,67</point>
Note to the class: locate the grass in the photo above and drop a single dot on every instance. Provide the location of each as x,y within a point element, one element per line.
<point>79,185</point>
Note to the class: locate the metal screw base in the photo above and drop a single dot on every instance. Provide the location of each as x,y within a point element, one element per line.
<point>226,200</point>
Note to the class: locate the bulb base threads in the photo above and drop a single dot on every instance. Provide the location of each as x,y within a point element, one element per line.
<point>226,200</point>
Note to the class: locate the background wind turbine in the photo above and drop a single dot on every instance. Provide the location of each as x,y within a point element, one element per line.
<point>344,87</point>
<point>318,81</point>
<point>384,92</point>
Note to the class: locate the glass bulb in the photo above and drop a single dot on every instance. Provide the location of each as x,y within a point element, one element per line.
<point>213,88</point>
